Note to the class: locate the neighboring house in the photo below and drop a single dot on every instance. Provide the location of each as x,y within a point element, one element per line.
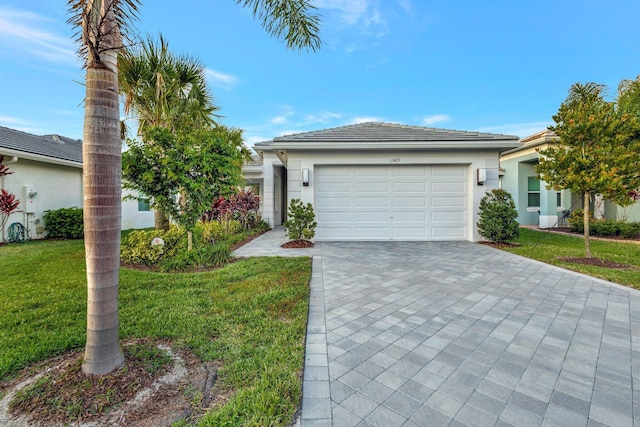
<point>381,181</point>
<point>47,175</point>
<point>535,204</point>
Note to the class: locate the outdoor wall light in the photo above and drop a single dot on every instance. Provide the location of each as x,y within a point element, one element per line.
<point>482,176</point>
<point>305,177</point>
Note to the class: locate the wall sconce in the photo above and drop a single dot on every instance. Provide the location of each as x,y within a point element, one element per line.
<point>482,176</point>
<point>305,177</point>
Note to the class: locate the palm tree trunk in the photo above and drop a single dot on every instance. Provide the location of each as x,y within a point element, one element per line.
<point>102,173</point>
<point>587,241</point>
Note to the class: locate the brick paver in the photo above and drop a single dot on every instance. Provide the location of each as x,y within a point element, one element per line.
<point>459,334</point>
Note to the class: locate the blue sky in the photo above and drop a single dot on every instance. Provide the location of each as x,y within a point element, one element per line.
<point>493,66</point>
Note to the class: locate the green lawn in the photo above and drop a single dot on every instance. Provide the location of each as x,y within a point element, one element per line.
<point>549,247</point>
<point>251,315</point>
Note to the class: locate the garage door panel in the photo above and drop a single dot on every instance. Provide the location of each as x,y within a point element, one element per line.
<point>375,171</point>
<point>447,202</point>
<point>410,187</point>
<point>419,202</point>
<point>372,187</point>
<point>448,187</point>
<point>448,171</point>
<point>446,215</point>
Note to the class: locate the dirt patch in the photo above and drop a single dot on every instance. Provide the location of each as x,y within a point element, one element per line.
<point>597,262</point>
<point>298,244</point>
<point>131,395</point>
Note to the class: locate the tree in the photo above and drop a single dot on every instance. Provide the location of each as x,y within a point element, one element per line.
<point>598,153</point>
<point>161,89</point>
<point>99,24</point>
<point>198,166</point>
<point>498,217</point>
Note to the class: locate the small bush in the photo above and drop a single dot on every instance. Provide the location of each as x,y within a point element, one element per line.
<point>216,230</point>
<point>626,230</point>
<point>300,223</point>
<point>65,223</point>
<point>203,257</point>
<point>136,247</point>
<point>498,217</point>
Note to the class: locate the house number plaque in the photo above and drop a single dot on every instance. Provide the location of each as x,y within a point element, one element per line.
<point>395,160</point>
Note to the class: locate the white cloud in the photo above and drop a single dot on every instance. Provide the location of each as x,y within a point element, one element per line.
<point>8,121</point>
<point>222,80</point>
<point>279,120</point>
<point>24,32</point>
<point>520,129</point>
<point>350,11</point>
<point>323,117</point>
<point>436,118</point>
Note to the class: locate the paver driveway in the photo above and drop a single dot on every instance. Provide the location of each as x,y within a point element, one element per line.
<point>456,333</point>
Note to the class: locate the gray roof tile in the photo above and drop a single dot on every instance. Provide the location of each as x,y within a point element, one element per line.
<point>390,132</point>
<point>54,146</point>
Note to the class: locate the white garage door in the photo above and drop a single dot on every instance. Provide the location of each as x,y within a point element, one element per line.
<point>391,202</point>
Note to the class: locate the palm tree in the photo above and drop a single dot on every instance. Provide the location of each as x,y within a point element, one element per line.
<point>160,89</point>
<point>99,24</point>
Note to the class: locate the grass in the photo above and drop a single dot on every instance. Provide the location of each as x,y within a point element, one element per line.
<point>250,315</point>
<point>549,247</point>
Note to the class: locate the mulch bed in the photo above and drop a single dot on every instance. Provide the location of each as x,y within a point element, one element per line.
<point>597,262</point>
<point>298,244</point>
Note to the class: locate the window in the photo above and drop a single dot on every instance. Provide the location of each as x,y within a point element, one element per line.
<point>558,199</point>
<point>143,203</point>
<point>533,192</point>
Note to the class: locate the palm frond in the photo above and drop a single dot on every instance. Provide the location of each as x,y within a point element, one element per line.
<point>293,21</point>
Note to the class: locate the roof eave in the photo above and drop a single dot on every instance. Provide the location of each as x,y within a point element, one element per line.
<point>408,145</point>
<point>40,158</point>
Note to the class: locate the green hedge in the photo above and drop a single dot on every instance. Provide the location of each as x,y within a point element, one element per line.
<point>64,223</point>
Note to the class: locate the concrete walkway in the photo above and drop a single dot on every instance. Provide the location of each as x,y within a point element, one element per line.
<point>460,334</point>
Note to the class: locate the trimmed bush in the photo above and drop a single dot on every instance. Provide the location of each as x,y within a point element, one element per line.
<point>64,223</point>
<point>215,230</point>
<point>300,223</point>
<point>136,248</point>
<point>498,217</point>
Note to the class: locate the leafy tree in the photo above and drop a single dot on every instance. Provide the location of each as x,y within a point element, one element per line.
<point>600,145</point>
<point>100,24</point>
<point>197,166</point>
<point>498,217</point>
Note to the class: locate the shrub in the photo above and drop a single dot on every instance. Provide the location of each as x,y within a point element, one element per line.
<point>242,207</point>
<point>498,217</point>
<point>205,256</point>
<point>8,205</point>
<point>65,223</point>
<point>136,247</point>
<point>300,223</point>
<point>216,230</point>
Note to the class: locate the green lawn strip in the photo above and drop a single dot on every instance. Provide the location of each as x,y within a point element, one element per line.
<point>550,247</point>
<point>250,315</point>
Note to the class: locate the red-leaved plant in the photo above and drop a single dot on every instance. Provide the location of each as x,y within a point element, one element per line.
<point>243,207</point>
<point>8,204</point>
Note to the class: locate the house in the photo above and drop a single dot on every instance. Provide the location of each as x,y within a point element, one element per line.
<point>547,208</point>
<point>381,181</point>
<point>46,175</point>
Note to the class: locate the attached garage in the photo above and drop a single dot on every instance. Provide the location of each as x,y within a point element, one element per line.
<point>408,202</point>
<point>384,181</point>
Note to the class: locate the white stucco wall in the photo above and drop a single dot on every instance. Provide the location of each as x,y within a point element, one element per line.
<point>57,186</point>
<point>473,160</point>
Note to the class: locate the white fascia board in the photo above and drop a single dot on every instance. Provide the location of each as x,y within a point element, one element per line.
<point>437,145</point>
<point>39,158</point>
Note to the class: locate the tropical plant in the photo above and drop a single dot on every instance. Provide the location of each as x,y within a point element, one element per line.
<point>8,205</point>
<point>197,166</point>
<point>100,25</point>
<point>600,146</point>
<point>300,223</point>
<point>498,217</point>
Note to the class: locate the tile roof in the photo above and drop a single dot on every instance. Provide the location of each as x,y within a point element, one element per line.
<point>390,132</point>
<point>53,146</point>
